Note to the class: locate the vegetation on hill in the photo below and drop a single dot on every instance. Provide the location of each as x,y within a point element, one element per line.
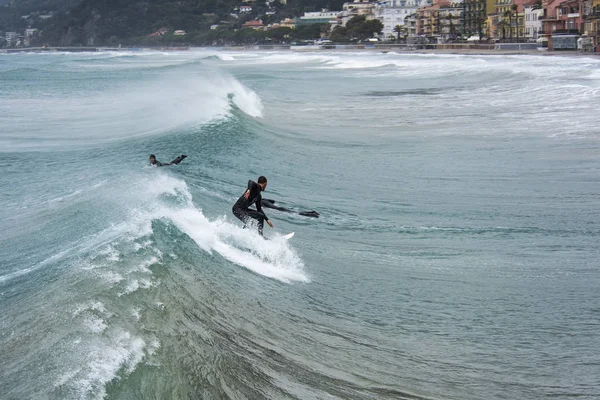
<point>205,22</point>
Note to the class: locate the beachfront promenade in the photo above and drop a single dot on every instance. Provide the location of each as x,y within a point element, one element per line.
<point>459,48</point>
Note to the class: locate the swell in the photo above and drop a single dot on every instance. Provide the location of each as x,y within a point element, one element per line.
<point>168,103</point>
<point>118,282</point>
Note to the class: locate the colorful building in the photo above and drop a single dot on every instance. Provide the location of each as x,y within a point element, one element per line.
<point>508,21</point>
<point>475,15</point>
<point>441,20</point>
<point>592,23</point>
<point>254,24</point>
<point>562,23</point>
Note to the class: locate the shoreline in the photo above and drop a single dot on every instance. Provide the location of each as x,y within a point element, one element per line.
<point>473,50</point>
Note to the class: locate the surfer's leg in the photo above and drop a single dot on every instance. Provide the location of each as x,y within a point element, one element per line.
<point>261,224</point>
<point>178,159</point>
<point>240,214</point>
<point>259,217</point>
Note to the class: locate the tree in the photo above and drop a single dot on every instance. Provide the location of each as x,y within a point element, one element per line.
<point>308,32</point>
<point>280,34</point>
<point>450,18</point>
<point>480,21</point>
<point>339,34</point>
<point>508,14</point>
<point>358,28</point>
<point>398,30</point>
<point>502,25</point>
<point>515,8</point>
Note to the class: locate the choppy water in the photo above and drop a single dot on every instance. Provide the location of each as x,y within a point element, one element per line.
<point>456,257</point>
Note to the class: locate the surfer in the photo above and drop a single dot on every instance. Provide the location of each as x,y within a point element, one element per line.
<point>155,162</point>
<point>241,208</point>
<point>268,203</point>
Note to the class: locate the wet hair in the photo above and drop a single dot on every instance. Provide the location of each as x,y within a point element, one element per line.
<point>152,156</point>
<point>262,179</point>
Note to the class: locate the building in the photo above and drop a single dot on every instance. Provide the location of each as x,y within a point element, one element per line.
<point>592,22</point>
<point>29,36</point>
<point>427,21</point>
<point>411,24</point>
<point>507,22</point>
<point>179,32</point>
<point>255,24</point>
<point>475,16</point>
<point>12,38</point>
<point>323,17</point>
<point>533,24</point>
<point>562,18</point>
<point>287,23</point>
<point>245,9</point>
<point>358,7</point>
<point>159,33</point>
<point>394,13</point>
<point>440,20</point>
<point>450,16</point>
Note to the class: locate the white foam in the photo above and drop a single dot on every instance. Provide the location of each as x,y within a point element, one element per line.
<point>136,313</point>
<point>93,305</point>
<point>135,285</point>
<point>143,245</point>
<point>99,362</point>
<point>176,100</point>
<point>111,277</point>
<point>270,258</point>
<point>94,324</point>
<point>143,267</point>
<point>273,258</point>
<point>225,57</point>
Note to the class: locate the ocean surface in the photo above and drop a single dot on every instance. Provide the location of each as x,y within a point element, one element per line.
<point>457,255</point>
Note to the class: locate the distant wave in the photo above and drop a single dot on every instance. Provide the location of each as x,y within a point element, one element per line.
<point>172,101</point>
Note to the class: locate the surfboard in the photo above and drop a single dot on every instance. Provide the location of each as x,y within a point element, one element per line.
<point>289,236</point>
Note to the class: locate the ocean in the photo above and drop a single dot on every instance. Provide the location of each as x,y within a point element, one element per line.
<point>456,255</point>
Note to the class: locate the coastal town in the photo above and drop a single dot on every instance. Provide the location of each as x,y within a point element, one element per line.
<point>541,24</point>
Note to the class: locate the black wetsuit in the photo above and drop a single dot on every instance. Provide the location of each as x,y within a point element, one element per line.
<point>174,162</point>
<point>241,208</point>
<point>268,203</point>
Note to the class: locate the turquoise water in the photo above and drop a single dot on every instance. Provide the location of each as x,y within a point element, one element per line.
<point>456,256</point>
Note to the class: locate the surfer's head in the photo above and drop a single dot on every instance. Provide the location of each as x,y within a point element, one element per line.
<point>262,182</point>
<point>152,159</point>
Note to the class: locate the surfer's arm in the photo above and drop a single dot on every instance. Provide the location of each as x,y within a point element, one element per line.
<point>259,209</point>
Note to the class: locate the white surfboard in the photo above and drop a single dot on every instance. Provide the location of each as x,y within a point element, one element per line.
<point>289,236</point>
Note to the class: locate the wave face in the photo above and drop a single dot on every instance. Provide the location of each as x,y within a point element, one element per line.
<point>456,254</point>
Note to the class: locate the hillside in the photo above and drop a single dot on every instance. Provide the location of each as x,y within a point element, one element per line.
<point>126,22</point>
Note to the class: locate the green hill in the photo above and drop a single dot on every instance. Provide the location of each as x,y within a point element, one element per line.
<point>126,22</point>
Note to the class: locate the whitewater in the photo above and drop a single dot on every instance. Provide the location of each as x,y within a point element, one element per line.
<point>455,256</point>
